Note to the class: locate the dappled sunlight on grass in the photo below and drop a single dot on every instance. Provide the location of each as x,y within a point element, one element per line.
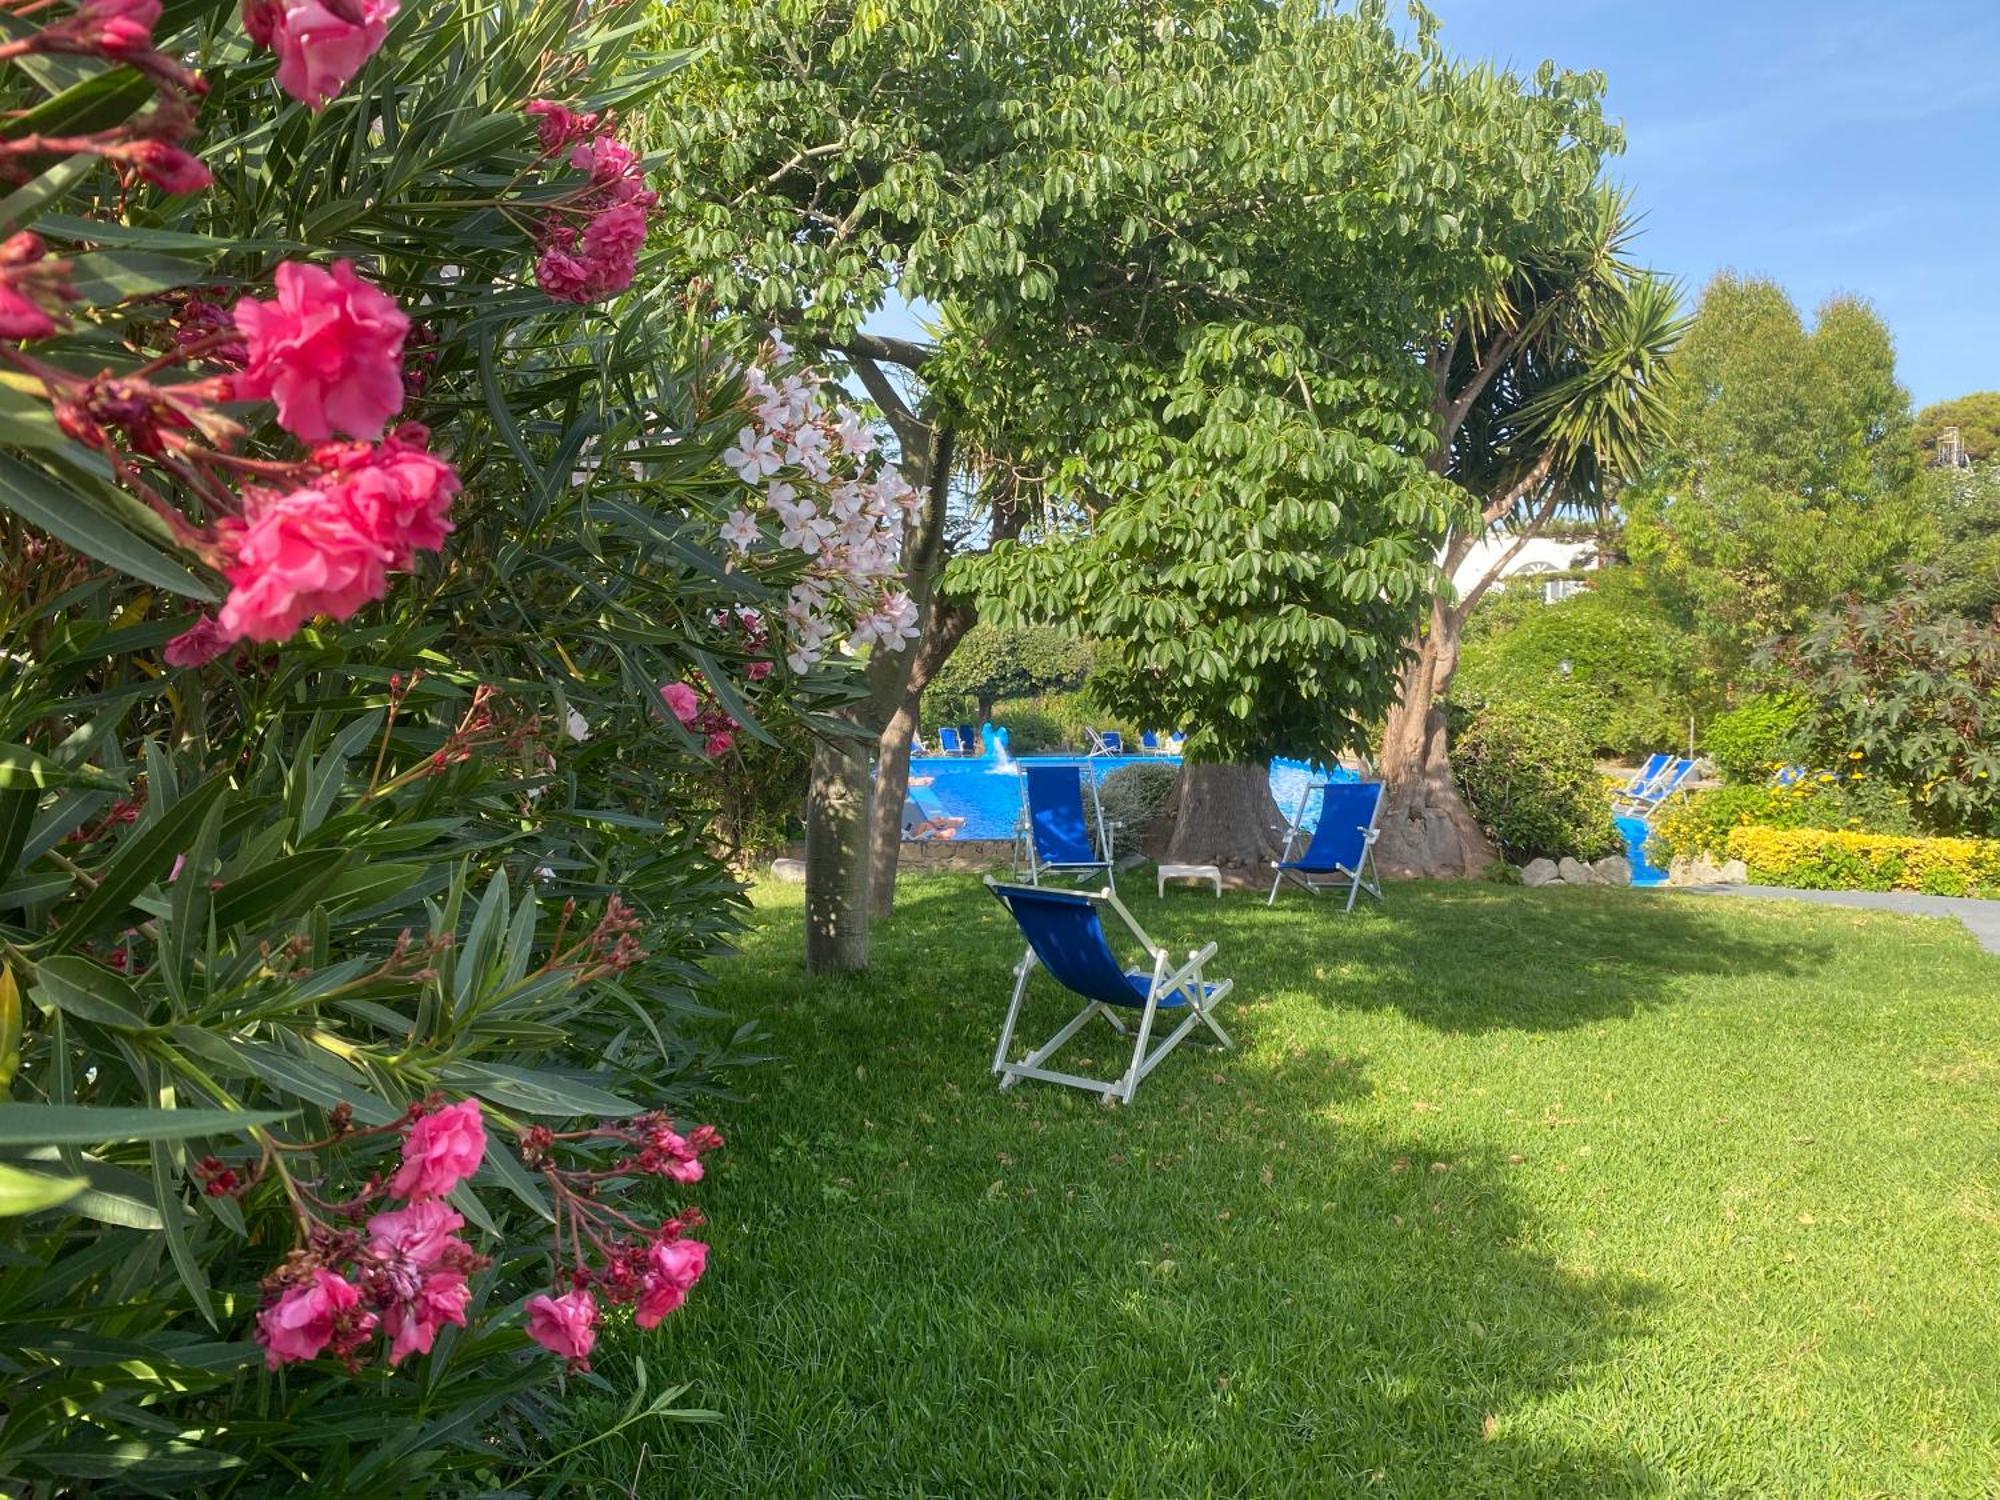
<point>1504,1192</point>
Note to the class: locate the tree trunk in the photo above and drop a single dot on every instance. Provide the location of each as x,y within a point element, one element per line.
<point>1427,830</point>
<point>837,857</point>
<point>943,629</point>
<point>1224,815</point>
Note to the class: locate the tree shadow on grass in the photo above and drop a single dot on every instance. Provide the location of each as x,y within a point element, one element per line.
<point>1472,958</point>
<point>923,1286</point>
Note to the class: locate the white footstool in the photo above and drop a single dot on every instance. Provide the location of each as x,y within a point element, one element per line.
<point>1211,873</point>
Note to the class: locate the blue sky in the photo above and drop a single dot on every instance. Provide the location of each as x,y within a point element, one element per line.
<point>1835,146</point>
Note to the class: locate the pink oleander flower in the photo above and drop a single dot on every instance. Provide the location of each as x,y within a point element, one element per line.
<point>717,743</point>
<point>199,644</point>
<point>302,555</point>
<point>22,319</point>
<point>307,1317</point>
<point>119,26</point>
<point>676,1158</point>
<point>441,1150</point>
<point>166,167</point>
<point>672,1269</point>
<point>419,1234</point>
<point>565,1325</point>
<point>557,124</point>
<point>563,276</point>
<point>611,245</point>
<point>328,349</point>
<point>681,701</point>
<point>399,493</point>
<point>413,1324</point>
<point>603,158</point>
<point>321,44</point>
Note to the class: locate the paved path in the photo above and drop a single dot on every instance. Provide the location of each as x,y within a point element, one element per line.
<point>1981,917</point>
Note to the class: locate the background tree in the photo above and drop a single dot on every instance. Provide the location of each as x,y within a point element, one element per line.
<point>1546,390</point>
<point>993,662</point>
<point>1791,478</point>
<point>1962,509</point>
<point>1977,418</point>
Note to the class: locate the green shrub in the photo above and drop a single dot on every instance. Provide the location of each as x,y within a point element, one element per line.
<point>1630,687</point>
<point>1906,693</point>
<point>1031,728</point>
<point>994,662</point>
<point>1702,822</point>
<point>1751,741</point>
<point>1824,860</point>
<point>1135,797</point>
<point>1531,783</point>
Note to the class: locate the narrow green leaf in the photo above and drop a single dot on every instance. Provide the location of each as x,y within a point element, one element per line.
<point>69,515</point>
<point>143,859</point>
<point>90,1125</point>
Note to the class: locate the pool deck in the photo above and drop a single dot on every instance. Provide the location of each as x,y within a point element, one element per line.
<point>1981,918</point>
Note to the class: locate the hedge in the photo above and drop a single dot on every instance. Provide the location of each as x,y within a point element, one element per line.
<point>1822,860</point>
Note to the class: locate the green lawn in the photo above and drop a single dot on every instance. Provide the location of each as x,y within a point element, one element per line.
<point>1505,1192</point>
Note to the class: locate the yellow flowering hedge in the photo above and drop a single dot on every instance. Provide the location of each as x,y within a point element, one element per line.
<point>1829,860</point>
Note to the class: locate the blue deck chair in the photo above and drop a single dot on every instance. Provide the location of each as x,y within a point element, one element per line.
<point>1149,741</point>
<point>1055,829</point>
<point>1065,933</point>
<point>968,740</point>
<point>1648,799</point>
<point>1645,776</point>
<point>1177,739</point>
<point>1789,775</point>
<point>948,741</point>
<point>1341,846</point>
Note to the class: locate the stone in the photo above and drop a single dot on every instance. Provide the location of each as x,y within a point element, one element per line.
<point>1613,869</point>
<point>789,871</point>
<point>1694,869</point>
<point>1733,872</point>
<point>1539,872</point>
<point>1573,871</point>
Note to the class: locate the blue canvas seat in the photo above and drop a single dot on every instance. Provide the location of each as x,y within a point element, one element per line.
<point>1066,937</point>
<point>948,741</point>
<point>1105,741</point>
<point>1644,795</point>
<point>1149,741</point>
<point>1055,831</point>
<point>1341,845</point>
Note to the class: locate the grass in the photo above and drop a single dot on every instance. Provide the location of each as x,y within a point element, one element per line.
<point>1505,1192</point>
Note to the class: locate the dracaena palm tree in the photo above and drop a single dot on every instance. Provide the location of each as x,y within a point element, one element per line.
<point>1550,394</point>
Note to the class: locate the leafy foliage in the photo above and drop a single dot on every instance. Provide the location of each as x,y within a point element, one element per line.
<point>1907,693</point>
<point>1760,736</point>
<point>1977,418</point>
<point>1962,506</point>
<point>352,870</point>
<point>1790,479</point>
<point>1818,860</point>
<point>1530,781</point>
<point>1702,822</point>
<point>992,663</point>
<point>1608,662</point>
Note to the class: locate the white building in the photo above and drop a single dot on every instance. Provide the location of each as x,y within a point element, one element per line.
<point>1539,554</point>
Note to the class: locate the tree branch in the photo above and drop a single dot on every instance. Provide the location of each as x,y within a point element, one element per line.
<point>913,433</point>
<point>1499,566</point>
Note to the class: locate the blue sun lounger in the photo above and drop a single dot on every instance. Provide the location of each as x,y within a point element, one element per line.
<point>1065,933</point>
<point>1669,780</point>
<point>1341,847</point>
<point>1645,776</point>
<point>1055,833</point>
<point>1105,742</point>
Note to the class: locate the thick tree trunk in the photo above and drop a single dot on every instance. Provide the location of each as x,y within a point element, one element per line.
<point>944,627</point>
<point>837,858</point>
<point>1427,830</point>
<point>1224,815</point>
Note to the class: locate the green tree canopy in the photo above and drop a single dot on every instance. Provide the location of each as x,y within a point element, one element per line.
<point>1977,418</point>
<point>994,662</point>
<point>1790,480</point>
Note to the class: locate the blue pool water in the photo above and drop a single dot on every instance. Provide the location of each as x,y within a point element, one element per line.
<point>1634,831</point>
<point>986,792</point>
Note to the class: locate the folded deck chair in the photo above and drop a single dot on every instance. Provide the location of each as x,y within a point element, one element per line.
<point>1341,847</point>
<point>1103,741</point>
<point>1055,833</point>
<point>1065,933</point>
<point>1177,739</point>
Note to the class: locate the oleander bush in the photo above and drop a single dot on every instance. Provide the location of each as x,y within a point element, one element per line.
<point>385,561</point>
<point>1826,860</point>
<point>1530,781</point>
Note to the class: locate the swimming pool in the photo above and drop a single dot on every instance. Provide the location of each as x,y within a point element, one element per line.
<point>986,791</point>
